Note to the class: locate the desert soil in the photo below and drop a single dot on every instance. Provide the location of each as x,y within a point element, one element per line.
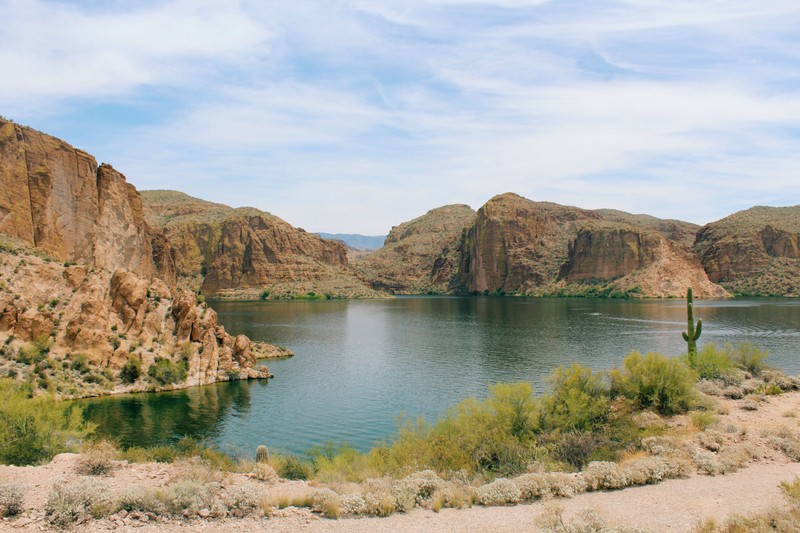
<point>674,505</point>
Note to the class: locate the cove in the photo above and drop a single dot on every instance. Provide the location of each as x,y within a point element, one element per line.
<point>360,364</point>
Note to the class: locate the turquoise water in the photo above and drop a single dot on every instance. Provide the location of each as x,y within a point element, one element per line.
<point>361,364</point>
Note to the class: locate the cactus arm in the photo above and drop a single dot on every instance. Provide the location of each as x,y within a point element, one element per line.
<point>685,336</point>
<point>698,329</point>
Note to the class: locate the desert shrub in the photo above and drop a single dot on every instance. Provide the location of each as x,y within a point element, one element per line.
<point>81,498</point>
<point>264,472</point>
<point>703,419</point>
<point>244,498</point>
<point>574,448</point>
<point>379,497</point>
<point>97,459</point>
<point>549,484</point>
<point>496,435</point>
<point>649,470</point>
<point>501,491</point>
<point>187,495</point>
<point>33,430</point>
<point>352,504</point>
<point>327,502</point>
<point>153,454</point>
<point>12,496</point>
<point>35,351</point>
<point>711,362</point>
<point>749,358</point>
<point>165,372</point>
<point>198,470</point>
<point>142,499</point>
<point>579,399</point>
<point>131,371</point>
<point>291,467</point>
<point>655,381</point>
<point>80,363</point>
<point>604,475</point>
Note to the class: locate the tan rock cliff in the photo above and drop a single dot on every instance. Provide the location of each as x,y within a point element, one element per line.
<point>755,251</point>
<point>56,198</point>
<point>242,252</point>
<point>541,248</point>
<point>421,255</point>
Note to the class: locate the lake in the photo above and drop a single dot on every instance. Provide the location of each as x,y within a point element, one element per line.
<point>360,364</point>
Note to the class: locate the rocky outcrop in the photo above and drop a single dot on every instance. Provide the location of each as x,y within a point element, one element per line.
<point>420,256</point>
<point>110,318</point>
<point>243,252</point>
<point>56,198</point>
<point>539,248</point>
<point>755,252</point>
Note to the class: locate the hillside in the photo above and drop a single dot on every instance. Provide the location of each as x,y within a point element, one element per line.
<point>754,252</point>
<point>244,252</point>
<point>419,256</point>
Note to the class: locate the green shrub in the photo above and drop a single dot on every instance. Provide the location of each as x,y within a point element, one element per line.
<point>654,381</point>
<point>579,399</point>
<point>36,351</point>
<point>264,295</point>
<point>291,467</point>
<point>711,363</point>
<point>131,371</point>
<point>165,372</point>
<point>80,363</point>
<point>749,358</point>
<point>33,430</point>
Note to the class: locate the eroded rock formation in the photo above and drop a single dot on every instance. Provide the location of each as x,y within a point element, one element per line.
<point>756,251</point>
<point>243,252</point>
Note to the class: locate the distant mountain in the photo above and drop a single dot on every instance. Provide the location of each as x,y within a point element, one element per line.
<point>354,240</point>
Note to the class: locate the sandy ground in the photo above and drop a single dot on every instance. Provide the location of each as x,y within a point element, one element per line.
<point>674,505</point>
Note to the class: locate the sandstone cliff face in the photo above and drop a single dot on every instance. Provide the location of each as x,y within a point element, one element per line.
<point>756,251</point>
<point>242,252</point>
<point>56,198</point>
<point>420,256</point>
<point>539,248</point>
<point>112,317</point>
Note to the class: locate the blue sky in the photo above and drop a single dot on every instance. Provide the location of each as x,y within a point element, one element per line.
<point>356,115</point>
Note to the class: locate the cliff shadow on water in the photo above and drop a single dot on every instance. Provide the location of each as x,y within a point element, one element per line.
<point>166,417</point>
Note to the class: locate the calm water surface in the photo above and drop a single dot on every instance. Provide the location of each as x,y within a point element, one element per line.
<point>360,364</point>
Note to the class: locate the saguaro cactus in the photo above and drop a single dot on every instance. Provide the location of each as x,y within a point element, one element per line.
<point>262,454</point>
<point>693,331</point>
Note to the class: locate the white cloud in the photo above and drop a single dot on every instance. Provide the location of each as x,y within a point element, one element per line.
<point>383,110</point>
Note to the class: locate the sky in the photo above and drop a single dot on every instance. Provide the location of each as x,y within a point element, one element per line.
<point>353,116</point>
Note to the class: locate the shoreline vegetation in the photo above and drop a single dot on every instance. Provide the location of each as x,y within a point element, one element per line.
<point>653,418</point>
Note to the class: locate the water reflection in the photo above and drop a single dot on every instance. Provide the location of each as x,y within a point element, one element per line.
<point>153,419</point>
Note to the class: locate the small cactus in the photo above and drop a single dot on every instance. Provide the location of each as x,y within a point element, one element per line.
<point>693,331</point>
<point>262,454</point>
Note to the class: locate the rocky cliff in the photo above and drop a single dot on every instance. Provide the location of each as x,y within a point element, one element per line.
<point>419,256</point>
<point>756,251</point>
<point>56,198</point>
<point>540,248</point>
<point>244,252</point>
<point>86,285</point>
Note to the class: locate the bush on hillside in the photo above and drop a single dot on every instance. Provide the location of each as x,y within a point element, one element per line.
<point>165,372</point>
